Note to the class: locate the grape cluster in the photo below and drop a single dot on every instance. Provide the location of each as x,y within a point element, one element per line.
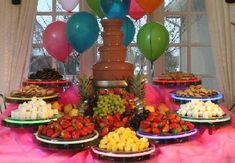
<point>135,121</point>
<point>109,104</point>
<point>46,74</point>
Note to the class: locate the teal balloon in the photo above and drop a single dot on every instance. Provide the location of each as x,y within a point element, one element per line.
<point>153,40</point>
<point>82,30</point>
<point>128,30</point>
<point>115,9</point>
<point>95,6</point>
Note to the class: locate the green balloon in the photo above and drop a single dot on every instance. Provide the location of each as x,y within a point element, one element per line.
<point>153,40</point>
<point>95,6</point>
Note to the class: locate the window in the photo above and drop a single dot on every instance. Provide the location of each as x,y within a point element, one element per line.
<point>49,11</point>
<point>189,49</point>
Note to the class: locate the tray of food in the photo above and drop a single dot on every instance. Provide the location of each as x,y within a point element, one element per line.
<point>30,91</point>
<point>123,145</point>
<point>68,133</point>
<point>196,92</point>
<point>177,79</point>
<point>32,114</point>
<point>202,112</point>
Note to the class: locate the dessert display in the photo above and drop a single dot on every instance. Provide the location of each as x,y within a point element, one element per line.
<point>33,110</point>
<point>46,74</point>
<point>200,109</point>
<point>123,145</point>
<point>31,91</point>
<point>68,128</point>
<point>202,112</point>
<point>123,140</point>
<point>177,76</point>
<point>196,91</point>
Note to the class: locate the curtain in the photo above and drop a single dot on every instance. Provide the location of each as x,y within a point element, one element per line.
<point>17,23</point>
<point>222,34</point>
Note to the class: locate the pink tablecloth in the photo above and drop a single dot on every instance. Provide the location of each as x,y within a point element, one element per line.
<point>19,145</point>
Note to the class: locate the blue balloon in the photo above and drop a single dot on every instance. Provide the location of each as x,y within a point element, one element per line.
<point>128,30</point>
<point>82,30</point>
<point>115,9</point>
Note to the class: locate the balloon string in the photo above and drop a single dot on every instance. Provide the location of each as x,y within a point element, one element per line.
<point>151,52</point>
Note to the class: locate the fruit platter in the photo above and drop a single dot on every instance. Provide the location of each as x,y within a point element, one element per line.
<point>196,92</point>
<point>123,145</point>
<point>68,132</point>
<point>31,114</point>
<point>177,79</point>
<point>30,91</point>
<point>164,126</point>
<point>202,112</point>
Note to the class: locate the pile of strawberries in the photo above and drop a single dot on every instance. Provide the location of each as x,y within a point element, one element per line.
<point>164,123</point>
<point>110,123</point>
<point>67,127</point>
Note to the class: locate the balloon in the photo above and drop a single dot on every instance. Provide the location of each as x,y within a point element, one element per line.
<point>55,42</point>
<point>136,12</point>
<point>68,5</point>
<point>153,40</point>
<point>115,9</point>
<point>95,6</point>
<point>128,30</point>
<point>82,31</point>
<point>149,5</point>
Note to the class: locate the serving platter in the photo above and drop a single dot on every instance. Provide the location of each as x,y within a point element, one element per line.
<point>15,123</point>
<point>58,83</point>
<point>124,156</point>
<point>182,100</point>
<point>20,100</point>
<point>79,144</point>
<point>185,82</point>
<point>225,118</point>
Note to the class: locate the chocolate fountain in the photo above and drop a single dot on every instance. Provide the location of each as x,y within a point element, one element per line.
<point>112,65</point>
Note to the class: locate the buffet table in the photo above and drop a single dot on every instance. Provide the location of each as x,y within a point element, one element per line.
<point>19,145</point>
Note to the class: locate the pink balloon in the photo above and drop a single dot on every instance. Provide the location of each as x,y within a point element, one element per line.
<point>55,41</point>
<point>136,12</point>
<point>68,5</point>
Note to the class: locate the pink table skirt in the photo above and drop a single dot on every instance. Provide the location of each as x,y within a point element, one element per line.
<point>19,146</point>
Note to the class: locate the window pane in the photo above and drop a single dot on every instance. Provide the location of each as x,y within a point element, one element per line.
<point>209,83</point>
<point>172,60</point>
<point>201,61</point>
<point>44,6</point>
<point>199,29</point>
<point>100,39</point>
<point>175,5</point>
<point>39,60</point>
<point>138,24</point>
<point>176,26</point>
<point>60,9</point>
<point>63,18</point>
<point>198,5</point>
<point>135,57</point>
<point>41,23</point>
<point>69,67</point>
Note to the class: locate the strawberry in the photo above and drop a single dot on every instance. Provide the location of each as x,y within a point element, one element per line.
<point>171,116</point>
<point>110,118</point>
<point>145,124</point>
<point>177,119</point>
<point>151,117</point>
<point>117,124</point>
<point>87,130</point>
<point>40,128</point>
<point>67,117</point>
<point>65,124</point>
<point>76,134</point>
<point>176,130</point>
<point>87,120</point>
<point>78,125</point>
<point>70,129</point>
<point>157,119</point>
<point>155,131</point>
<point>44,130</point>
<point>58,127</point>
<point>154,125</point>
<point>190,125</point>
<point>65,135</point>
<point>147,130</point>
<point>49,132</point>
<point>184,127</point>
<point>172,125</point>
<point>182,122</point>
<point>55,134</point>
<point>104,131</point>
<point>91,126</point>
<point>83,133</point>
<point>166,128</point>
<point>118,116</point>
<point>125,120</point>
